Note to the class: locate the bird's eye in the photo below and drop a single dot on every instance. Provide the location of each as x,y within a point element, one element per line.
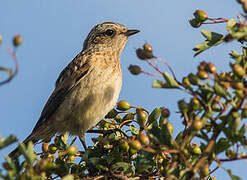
<point>109,32</point>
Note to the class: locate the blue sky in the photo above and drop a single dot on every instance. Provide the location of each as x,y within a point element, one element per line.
<point>53,33</point>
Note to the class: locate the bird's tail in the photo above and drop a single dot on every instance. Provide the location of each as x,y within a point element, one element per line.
<point>15,153</point>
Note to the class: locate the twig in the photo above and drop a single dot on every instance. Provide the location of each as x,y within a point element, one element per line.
<point>169,67</point>
<point>150,74</point>
<point>126,121</point>
<point>233,159</point>
<point>211,172</point>
<point>155,63</point>
<point>157,69</point>
<point>216,20</point>
<point>13,56</point>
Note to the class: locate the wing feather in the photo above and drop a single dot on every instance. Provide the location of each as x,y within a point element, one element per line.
<point>66,81</point>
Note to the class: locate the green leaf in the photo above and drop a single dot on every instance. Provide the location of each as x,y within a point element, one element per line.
<point>153,117</point>
<point>154,131</point>
<point>144,163</point>
<point>167,85</point>
<point>213,39</point>
<point>68,177</point>
<point>236,30</point>
<point>9,140</point>
<point>222,145</point>
<point>165,135</point>
<point>115,136</point>
<point>10,163</point>
<point>160,134</point>
<point>242,130</point>
<point>171,83</point>
<point>98,162</point>
<point>236,56</point>
<point>158,84</point>
<point>103,167</point>
<point>65,137</point>
<point>121,167</point>
<point>28,152</point>
<point>233,177</point>
<point>243,58</point>
<point>211,36</point>
<point>134,130</point>
<point>179,138</point>
<point>219,90</point>
<point>235,124</point>
<point>207,88</point>
<point>230,24</point>
<point>239,35</point>
<point>207,92</point>
<point>134,178</point>
<point>94,160</point>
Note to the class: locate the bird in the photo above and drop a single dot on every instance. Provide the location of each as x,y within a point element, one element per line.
<point>87,88</point>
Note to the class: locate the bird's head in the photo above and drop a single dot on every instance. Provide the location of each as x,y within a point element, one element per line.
<point>108,35</point>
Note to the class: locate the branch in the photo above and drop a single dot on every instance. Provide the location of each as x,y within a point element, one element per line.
<point>13,56</point>
<point>233,159</point>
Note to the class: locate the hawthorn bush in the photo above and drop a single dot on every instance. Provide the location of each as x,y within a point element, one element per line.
<point>136,144</point>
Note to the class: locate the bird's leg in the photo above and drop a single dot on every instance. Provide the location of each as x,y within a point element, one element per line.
<point>82,139</point>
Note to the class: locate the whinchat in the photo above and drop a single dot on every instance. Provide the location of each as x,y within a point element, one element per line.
<point>88,88</point>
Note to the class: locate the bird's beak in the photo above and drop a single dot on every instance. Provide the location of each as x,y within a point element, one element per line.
<point>131,32</point>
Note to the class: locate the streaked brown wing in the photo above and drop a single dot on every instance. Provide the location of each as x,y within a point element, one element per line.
<point>67,80</point>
